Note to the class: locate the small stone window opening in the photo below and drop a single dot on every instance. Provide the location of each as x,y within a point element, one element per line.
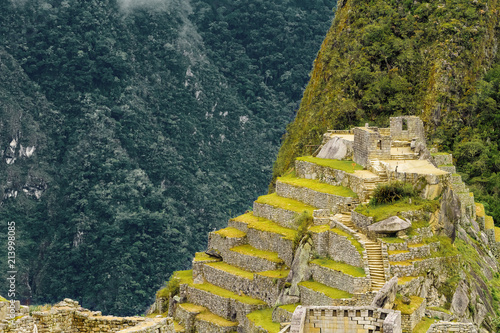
<point>383,315</point>
<point>370,331</point>
<point>334,313</point>
<point>377,329</point>
<point>379,144</point>
<point>322,313</point>
<point>358,313</point>
<point>346,313</point>
<point>370,313</point>
<point>405,125</point>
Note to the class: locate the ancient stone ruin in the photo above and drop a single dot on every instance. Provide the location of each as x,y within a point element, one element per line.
<point>315,256</point>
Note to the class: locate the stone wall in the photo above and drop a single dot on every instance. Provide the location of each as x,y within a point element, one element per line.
<point>337,247</point>
<point>419,267</point>
<point>361,221</point>
<point>250,263</point>
<point>220,244</point>
<point>334,177</point>
<point>345,319</point>
<point>283,217</point>
<point>270,241</point>
<point>370,144</point>
<point>414,128</point>
<point>69,317</point>
<point>445,327</point>
<point>335,203</point>
<point>408,322</point>
<point>311,297</point>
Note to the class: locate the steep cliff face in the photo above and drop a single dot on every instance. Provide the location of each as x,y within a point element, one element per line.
<point>383,58</point>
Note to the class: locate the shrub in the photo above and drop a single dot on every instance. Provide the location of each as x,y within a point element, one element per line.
<point>394,191</point>
<point>303,221</point>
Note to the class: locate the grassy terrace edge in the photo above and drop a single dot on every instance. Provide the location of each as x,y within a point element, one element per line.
<point>262,224</point>
<point>340,267</point>
<point>342,165</point>
<point>317,186</point>
<point>325,290</point>
<point>285,203</point>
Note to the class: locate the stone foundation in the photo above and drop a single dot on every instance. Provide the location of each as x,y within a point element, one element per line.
<point>445,327</point>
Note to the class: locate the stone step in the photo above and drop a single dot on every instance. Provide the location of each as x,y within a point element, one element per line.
<point>283,211</point>
<point>314,193</point>
<point>252,259</point>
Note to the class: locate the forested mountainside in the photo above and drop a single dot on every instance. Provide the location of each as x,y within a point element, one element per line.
<point>434,59</point>
<point>129,129</point>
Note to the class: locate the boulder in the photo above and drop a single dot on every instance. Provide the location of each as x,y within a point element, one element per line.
<point>386,296</point>
<point>336,148</point>
<point>460,300</point>
<point>390,225</point>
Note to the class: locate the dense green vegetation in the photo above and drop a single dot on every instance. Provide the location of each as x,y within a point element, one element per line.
<point>153,123</point>
<point>426,58</point>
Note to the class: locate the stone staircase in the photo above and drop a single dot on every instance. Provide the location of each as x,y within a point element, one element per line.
<point>375,264</point>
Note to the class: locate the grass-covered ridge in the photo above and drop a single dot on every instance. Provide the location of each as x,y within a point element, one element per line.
<point>340,266</point>
<point>324,289</point>
<point>231,269</point>
<point>202,256</point>
<point>254,252</point>
<point>230,232</point>
<point>262,224</point>
<point>342,165</point>
<point>285,203</point>
<point>318,186</point>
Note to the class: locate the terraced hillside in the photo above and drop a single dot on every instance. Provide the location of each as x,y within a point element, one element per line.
<point>311,243</point>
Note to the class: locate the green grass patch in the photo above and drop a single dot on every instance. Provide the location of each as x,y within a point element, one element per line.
<point>319,228</point>
<point>252,251</point>
<point>213,318</point>
<point>230,232</point>
<point>328,291</point>
<point>340,266</point>
<point>317,186</point>
<point>264,319</point>
<point>405,279</point>
<point>439,154</point>
<point>279,274</point>
<point>202,256</point>
<point>176,279</point>
<point>193,308</point>
<point>446,248</point>
<point>488,222</point>
<point>290,307</point>
<point>415,245</point>
<point>262,224</point>
<point>497,234</point>
<point>419,224</point>
<point>437,308</point>
<point>407,308</point>
<point>231,269</point>
<point>445,165</point>
<point>285,203</point>
<point>2,299</point>
<point>423,325</point>
<point>383,211</point>
<point>392,240</point>
<point>351,238</point>
<point>346,166</point>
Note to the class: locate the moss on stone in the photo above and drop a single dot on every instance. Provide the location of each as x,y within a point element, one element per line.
<point>231,269</point>
<point>480,211</point>
<point>230,232</point>
<point>213,318</point>
<point>397,252</point>
<point>278,274</point>
<point>264,319</point>
<point>318,186</point>
<point>285,203</point>
<point>252,251</point>
<point>423,325</point>
<point>497,234</point>
<point>407,309</point>
<point>324,289</point>
<point>340,267</point>
<point>346,166</point>
<point>262,224</point>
